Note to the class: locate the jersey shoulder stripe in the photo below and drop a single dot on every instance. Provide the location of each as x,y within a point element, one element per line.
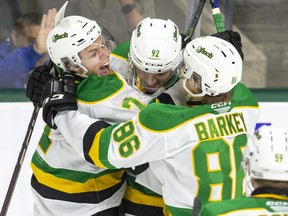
<point>122,50</point>
<point>242,96</point>
<point>94,89</point>
<point>153,115</point>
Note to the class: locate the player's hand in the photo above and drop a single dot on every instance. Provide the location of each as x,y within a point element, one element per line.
<point>37,79</point>
<point>233,37</point>
<point>47,24</point>
<point>58,95</point>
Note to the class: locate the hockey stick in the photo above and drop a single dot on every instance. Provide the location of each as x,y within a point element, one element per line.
<point>195,18</point>
<point>217,16</point>
<point>196,206</point>
<point>21,156</point>
<point>20,160</point>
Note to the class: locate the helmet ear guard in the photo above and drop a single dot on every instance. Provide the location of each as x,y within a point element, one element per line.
<point>217,63</point>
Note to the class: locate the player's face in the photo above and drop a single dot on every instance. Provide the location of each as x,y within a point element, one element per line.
<point>96,57</point>
<point>149,83</point>
<point>194,84</point>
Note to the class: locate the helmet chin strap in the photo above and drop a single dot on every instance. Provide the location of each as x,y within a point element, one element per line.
<point>138,83</point>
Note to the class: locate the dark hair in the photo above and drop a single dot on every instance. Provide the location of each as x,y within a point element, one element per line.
<point>32,18</point>
<point>226,97</point>
<point>270,183</point>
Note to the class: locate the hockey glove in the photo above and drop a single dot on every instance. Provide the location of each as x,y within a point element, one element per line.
<point>165,99</point>
<point>233,37</point>
<point>185,40</point>
<point>58,95</point>
<point>37,79</point>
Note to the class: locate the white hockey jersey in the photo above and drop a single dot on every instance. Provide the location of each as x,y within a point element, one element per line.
<point>63,182</point>
<point>201,146</point>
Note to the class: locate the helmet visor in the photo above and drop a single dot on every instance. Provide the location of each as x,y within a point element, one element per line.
<point>95,58</point>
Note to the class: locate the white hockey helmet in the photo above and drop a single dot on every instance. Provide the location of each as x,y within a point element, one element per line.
<point>155,46</point>
<point>72,35</point>
<point>215,61</point>
<point>266,154</point>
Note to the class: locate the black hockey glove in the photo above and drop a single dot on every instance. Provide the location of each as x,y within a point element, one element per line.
<point>58,95</point>
<point>233,37</point>
<point>165,99</point>
<point>37,79</point>
<point>185,40</point>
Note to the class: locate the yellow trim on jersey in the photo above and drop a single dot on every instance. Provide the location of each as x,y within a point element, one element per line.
<point>68,186</point>
<point>138,197</point>
<point>274,196</point>
<point>118,56</point>
<point>244,107</point>
<point>242,210</point>
<point>94,153</point>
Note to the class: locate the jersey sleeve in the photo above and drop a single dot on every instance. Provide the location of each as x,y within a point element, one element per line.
<point>130,144</point>
<point>121,145</point>
<point>158,132</point>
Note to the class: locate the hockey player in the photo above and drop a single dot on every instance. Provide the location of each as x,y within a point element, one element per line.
<point>150,74</point>
<point>63,182</point>
<point>205,141</point>
<point>153,62</point>
<point>91,190</point>
<point>152,68</point>
<point>266,164</point>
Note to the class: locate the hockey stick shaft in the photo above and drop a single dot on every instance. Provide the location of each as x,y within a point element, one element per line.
<point>20,160</point>
<point>195,18</point>
<point>218,19</point>
<point>196,206</point>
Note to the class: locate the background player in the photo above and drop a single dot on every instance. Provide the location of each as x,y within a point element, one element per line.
<point>265,161</point>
